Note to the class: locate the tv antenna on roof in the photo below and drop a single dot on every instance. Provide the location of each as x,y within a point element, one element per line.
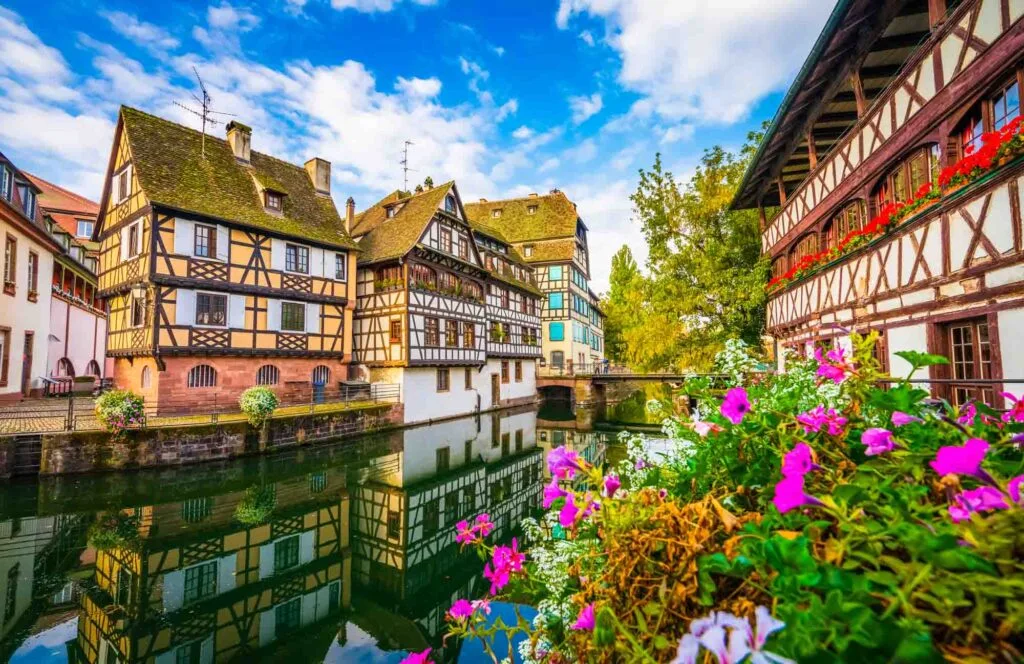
<point>405,166</point>
<point>206,111</point>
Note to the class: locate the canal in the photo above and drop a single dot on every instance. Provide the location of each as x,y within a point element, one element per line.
<point>341,552</point>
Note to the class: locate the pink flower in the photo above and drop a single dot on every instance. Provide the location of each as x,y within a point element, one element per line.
<point>704,428</point>
<point>461,610</point>
<point>799,461</point>
<point>735,405</point>
<point>1015,414</point>
<point>569,513</point>
<point>833,365</point>
<point>553,492</point>
<point>837,355</point>
<point>1013,488</point>
<point>498,577</point>
<point>968,414</point>
<point>982,499</point>
<point>900,419</point>
<point>509,557</point>
<point>563,463</point>
<point>814,420</point>
<point>832,373</point>
<point>417,657</point>
<point>484,524</point>
<point>688,650</point>
<point>611,485</point>
<point>789,494</point>
<point>465,534</point>
<point>878,441</point>
<point>586,620</point>
<point>962,460</point>
<point>482,605</point>
<point>640,464</point>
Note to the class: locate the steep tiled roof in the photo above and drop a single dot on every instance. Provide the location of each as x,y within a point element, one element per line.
<point>385,239</point>
<point>553,250</point>
<point>555,217</point>
<point>172,171</point>
<point>56,198</point>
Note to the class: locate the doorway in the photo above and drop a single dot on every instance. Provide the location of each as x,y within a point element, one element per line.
<point>495,390</point>
<point>26,364</point>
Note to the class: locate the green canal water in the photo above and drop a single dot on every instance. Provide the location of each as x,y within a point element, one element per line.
<point>340,552</point>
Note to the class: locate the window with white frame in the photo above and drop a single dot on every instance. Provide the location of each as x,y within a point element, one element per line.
<point>6,181</point>
<point>122,184</point>
<point>296,258</point>
<point>211,309</point>
<point>293,317</point>
<point>84,228</point>
<point>340,265</point>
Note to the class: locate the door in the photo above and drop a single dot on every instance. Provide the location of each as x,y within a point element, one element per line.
<point>495,389</point>
<point>26,364</point>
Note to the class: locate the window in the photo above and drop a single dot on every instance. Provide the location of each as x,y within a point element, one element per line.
<point>519,440</point>
<point>519,371</point>
<point>431,517</point>
<point>123,183</point>
<point>850,218</point>
<point>391,211</point>
<point>423,276</point>
<point>468,335</point>
<point>317,482</point>
<point>555,301</point>
<point>124,593</point>
<point>147,378</point>
<point>202,375</point>
<point>463,247</point>
<point>495,213</point>
<point>10,264</point>
<point>903,181</point>
<point>970,134</point>
<point>451,333</point>
<point>446,241</point>
<point>321,375</point>
<point>395,333</point>
<point>274,200</point>
<point>387,278</point>
<point>779,267</point>
<point>189,653</point>
<point>1006,105</point>
<point>340,271</point>
<point>10,601</point>
<point>288,617</point>
<point>133,241</point>
<point>430,332</point>
<point>28,200</point>
<point>394,524</point>
<point>449,204</point>
<point>296,258</point>
<point>447,282</point>
<point>504,371</point>
<point>443,380</point>
<point>138,312</point>
<point>293,316</point>
<point>268,374</point>
<point>442,457</point>
<point>506,444</point>
<point>556,332</point>
<point>6,182</point>
<point>805,246</point>
<point>504,298</point>
<point>200,581</point>
<point>970,355</point>
<point>468,378</point>
<point>528,250</point>
<point>205,242</point>
<point>195,510</point>
<point>554,272</point>
<point>472,290</point>
<point>286,553</point>
<point>211,309</point>
<point>531,209</point>
<point>84,228</point>
<point>33,272</point>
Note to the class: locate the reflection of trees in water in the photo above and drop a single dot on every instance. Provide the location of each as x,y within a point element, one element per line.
<point>628,405</point>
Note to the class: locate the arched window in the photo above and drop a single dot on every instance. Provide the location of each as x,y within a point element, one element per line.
<point>65,369</point>
<point>268,375</point>
<point>321,375</point>
<point>92,369</point>
<point>423,276</point>
<point>779,267</point>
<point>147,378</point>
<point>202,375</point>
<point>805,246</point>
<point>449,204</point>
<point>472,290</point>
<point>906,178</point>
<point>992,113</point>
<point>447,282</point>
<point>850,218</point>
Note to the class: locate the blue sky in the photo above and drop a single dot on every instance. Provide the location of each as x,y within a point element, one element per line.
<point>506,98</point>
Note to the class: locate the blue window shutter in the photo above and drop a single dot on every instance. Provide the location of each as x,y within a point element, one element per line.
<point>556,331</point>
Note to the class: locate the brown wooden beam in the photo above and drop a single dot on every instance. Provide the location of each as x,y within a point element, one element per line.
<point>812,149</point>
<point>782,191</point>
<point>761,216</point>
<point>881,71</point>
<point>858,93</point>
<point>936,13</point>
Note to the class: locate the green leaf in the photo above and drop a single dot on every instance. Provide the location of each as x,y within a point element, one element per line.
<point>919,360</point>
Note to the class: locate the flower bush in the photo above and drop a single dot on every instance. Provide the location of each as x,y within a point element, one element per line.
<point>258,403</point>
<point>120,410</point>
<point>871,525</point>
<point>256,506</point>
<point>996,147</point>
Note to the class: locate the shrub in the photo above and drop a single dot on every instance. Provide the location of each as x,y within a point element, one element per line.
<point>258,403</point>
<point>256,505</point>
<point>114,531</point>
<point>119,410</point>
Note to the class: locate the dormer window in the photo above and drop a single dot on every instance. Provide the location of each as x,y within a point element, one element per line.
<point>84,228</point>
<point>528,250</point>
<point>531,209</point>
<point>273,200</point>
<point>495,213</point>
<point>391,211</point>
<point>449,204</point>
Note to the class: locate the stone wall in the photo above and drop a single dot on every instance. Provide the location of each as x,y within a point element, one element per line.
<point>167,447</point>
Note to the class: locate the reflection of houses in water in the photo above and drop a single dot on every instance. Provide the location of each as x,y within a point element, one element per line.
<point>198,587</point>
<point>35,552</point>
<point>403,524</point>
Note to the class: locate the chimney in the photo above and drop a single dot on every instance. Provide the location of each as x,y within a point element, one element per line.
<point>556,191</point>
<point>350,214</point>
<point>320,173</point>
<point>239,138</point>
<point>483,200</point>
<point>533,194</point>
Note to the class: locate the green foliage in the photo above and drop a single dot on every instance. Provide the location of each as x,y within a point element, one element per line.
<point>120,410</point>
<point>258,403</point>
<point>114,531</point>
<point>256,506</point>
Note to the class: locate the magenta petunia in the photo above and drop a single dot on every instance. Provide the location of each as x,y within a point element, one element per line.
<point>900,419</point>
<point>878,441</point>
<point>586,620</point>
<point>1016,413</point>
<point>818,418</point>
<point>563,463</point>
<point>569,513</point>
<point>498,577</point>
<point>735,405</point>
<point>553,492</point>
<point>611,485</point>
<point>982,499</point>
<point>832,373</point>
<point>1014,488</point>
<point>798,461</point>
<point>484,524</point>
<point>968,414</point>
<point>461,609</point>
<point>417,657</point>
<point>789,494</point>
<point>962,459</point>
<point>464,534</point>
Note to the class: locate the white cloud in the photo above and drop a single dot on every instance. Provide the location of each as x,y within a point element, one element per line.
<point>151,37</point>
<point>708,66</point>
<point>23,54</point>
<point>584,108</point>
<point>625,157</point>
<point>418,87</point>
<point>683,132</point>
<point>605,208</point>
<point>548,165</point>
<point>226,24</point>
<point>523,156</point>
<point>587,37</point>
<point>583,152</point>
<point>508,108</point>
<point>499,50</point>
<point>522,133</point>
<point>372,6</point>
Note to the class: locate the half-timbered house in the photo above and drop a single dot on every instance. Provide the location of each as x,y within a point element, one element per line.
<point>549,234</point>
<point>893,94</point>
<point>223,267</point>
<point>420,314</point>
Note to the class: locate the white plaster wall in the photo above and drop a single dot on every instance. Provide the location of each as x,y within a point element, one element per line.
<point>87,338</point>
<point>423,402</point>
<point>419,456</point>
<point>55,340</point>
<point>911,337</point>
<point>513,390</point>
<point>1010,346</point>
<point>21,315</point>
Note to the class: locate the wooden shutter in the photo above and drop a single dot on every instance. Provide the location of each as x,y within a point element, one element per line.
<point>185,307</point>
<point>312,318</point>
<point>184,237</point>
<point>124,243</point>
<point>223,243</point>
<point>274,315</point>
<point>277,254</point>
<point>236,311</point>
<point>316,262</point>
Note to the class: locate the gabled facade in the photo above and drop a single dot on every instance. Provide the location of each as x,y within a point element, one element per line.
<point>896,212</point>
<point>421,317</point>
<point>547,232</point>
<point>27,264</point>
<point>223,267</point>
